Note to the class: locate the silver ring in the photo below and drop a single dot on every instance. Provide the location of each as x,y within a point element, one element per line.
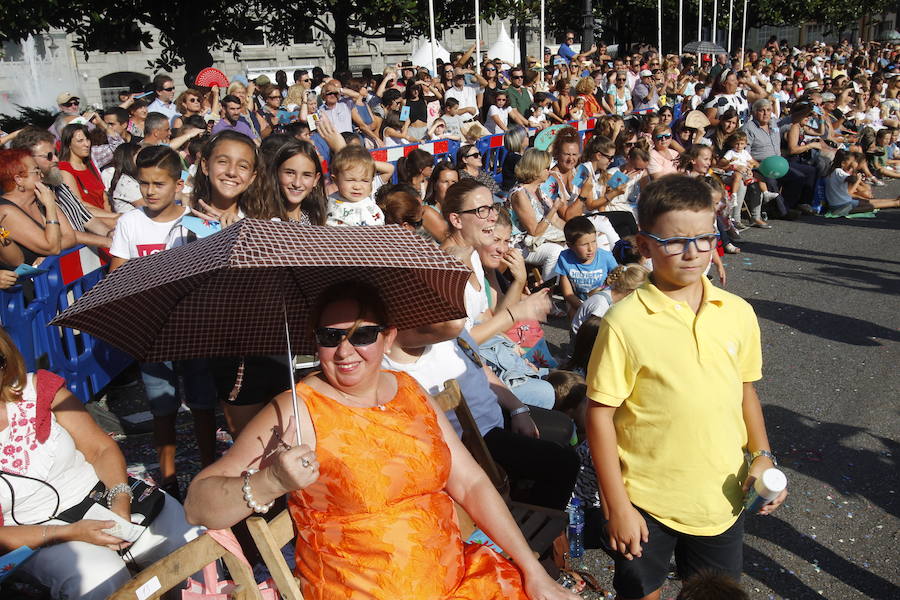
<point>306,464</point>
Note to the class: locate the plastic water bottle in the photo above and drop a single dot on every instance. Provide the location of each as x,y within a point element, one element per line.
<point>765,489</point>
<point>576,528</point>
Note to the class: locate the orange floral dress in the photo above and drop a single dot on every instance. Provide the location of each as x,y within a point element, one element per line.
<point>378,524</point>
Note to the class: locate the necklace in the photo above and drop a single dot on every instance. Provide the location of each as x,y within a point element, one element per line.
<point>356,402</point>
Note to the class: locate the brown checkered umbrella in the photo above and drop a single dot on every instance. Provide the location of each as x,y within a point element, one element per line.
<point>226,295</point>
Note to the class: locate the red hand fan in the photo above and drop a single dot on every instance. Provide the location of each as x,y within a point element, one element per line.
<point>211,76</point>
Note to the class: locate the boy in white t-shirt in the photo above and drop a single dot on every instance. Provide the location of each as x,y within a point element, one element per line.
<point>153,228</point>
<point>352,170</point>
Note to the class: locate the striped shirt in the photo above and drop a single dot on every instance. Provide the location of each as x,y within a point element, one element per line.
<point>75,212</point>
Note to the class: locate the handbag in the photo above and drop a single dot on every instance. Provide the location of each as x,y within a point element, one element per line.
<point>212,588</point>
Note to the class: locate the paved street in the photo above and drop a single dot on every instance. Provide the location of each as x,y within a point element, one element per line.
<point>826,292</point>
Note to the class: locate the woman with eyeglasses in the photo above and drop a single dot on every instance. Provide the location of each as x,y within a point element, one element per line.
<point>470,164</point>
<point>663,159</point>
<point>471,214</point>
<point>618,100</point>
<point>487,93</point>
<point>591,192</point>
<point>372,482</point>
<point>188,103</point>
<point>267,114</point>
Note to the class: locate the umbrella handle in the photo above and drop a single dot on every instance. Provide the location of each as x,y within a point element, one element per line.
<point>294,405</point>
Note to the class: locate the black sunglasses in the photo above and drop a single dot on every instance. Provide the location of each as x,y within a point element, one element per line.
<point>415,224</point>
<point>474,155</point>
<point>48,156</point>
<point>332,93</point>
<point>171,89</point>
<point>71,103</point>
<point>331,337</point>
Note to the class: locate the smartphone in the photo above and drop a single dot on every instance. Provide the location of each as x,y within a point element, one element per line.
<point>404,114</point>
<point>550,283</point>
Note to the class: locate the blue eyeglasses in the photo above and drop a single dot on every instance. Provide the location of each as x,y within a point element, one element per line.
<point>679,245</point>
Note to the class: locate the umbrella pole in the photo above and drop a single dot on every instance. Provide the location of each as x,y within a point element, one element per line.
<point>294,405</point>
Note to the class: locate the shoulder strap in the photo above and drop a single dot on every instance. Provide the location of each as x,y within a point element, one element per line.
<point>47,385</point>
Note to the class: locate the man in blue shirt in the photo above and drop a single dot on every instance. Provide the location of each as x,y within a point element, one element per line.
<point>568,54</point>
<point>164,86</point>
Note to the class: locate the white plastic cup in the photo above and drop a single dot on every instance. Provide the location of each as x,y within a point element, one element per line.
<point>765,489</point>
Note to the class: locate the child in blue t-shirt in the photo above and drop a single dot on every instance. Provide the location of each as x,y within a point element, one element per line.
<point>583,267</point>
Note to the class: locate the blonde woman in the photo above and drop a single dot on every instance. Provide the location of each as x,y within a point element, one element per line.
<point>585,88</point>
<point>537,222</point>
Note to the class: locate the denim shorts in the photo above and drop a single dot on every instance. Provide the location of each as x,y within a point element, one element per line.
<point>161,384</point>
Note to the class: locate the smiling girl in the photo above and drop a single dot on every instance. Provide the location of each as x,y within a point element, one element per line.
<point>227,168</point>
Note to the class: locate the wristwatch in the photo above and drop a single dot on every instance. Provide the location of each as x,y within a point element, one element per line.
<point>765,453</point>
<point>582,198</point>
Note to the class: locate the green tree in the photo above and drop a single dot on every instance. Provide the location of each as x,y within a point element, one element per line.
<point>189,31</point>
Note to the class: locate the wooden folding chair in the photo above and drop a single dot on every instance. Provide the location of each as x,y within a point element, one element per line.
<point>170,571</point>
<point>540,526</point>
<point>270,537</point>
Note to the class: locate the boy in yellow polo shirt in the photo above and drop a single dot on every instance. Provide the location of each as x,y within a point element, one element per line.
<point>674,407</point>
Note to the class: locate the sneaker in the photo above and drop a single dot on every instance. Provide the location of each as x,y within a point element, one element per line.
<point>806,209</point>
<point>767,196</point>
<point>877,182</point>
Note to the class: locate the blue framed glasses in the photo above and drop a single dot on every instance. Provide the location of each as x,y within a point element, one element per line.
<point>679,245</point>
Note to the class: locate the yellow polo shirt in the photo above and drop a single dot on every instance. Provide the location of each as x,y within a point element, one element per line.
<point>677,380</point>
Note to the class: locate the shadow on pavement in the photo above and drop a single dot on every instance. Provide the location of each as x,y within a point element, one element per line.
<point>815,449</point>
<point>786,584</point>
<point>845,277</point>
<point>820,258</point>
<point>839,328</point>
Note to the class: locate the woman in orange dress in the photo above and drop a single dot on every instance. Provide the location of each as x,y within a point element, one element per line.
<point>371,488</point>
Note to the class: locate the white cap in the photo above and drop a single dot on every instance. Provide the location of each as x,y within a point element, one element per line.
<point>646,73</point>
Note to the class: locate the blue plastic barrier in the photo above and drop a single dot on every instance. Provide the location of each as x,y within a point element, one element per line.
<point>86,363</point>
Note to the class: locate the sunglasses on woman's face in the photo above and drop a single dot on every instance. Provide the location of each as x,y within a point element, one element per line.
<point>415,224</point>
<point>474,155</point>
<point>664,136</point>
<point>331,337</point>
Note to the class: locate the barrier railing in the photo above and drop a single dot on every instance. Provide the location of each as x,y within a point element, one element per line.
<point>87,364</point>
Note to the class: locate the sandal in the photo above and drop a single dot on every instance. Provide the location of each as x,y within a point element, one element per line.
<point>732,249</point>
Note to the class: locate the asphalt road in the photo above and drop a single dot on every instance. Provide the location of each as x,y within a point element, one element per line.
<point>826,293</point>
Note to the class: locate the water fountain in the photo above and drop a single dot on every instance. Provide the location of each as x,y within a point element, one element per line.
<point>34,77</point>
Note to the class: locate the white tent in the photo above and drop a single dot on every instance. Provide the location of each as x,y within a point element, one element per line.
<point>421,56</point>
<point>504,49</point>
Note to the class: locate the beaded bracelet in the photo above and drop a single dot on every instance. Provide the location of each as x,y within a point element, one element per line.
<point>118,490</point>
<point>248,494</point>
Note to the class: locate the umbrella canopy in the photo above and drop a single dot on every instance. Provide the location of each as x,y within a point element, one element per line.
<point>227,294</point>
<point>703,48</point>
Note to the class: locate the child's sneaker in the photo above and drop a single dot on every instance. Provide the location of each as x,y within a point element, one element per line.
<point>767,196</point>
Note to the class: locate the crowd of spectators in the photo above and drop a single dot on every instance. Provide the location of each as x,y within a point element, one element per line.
<point>552,230</point>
